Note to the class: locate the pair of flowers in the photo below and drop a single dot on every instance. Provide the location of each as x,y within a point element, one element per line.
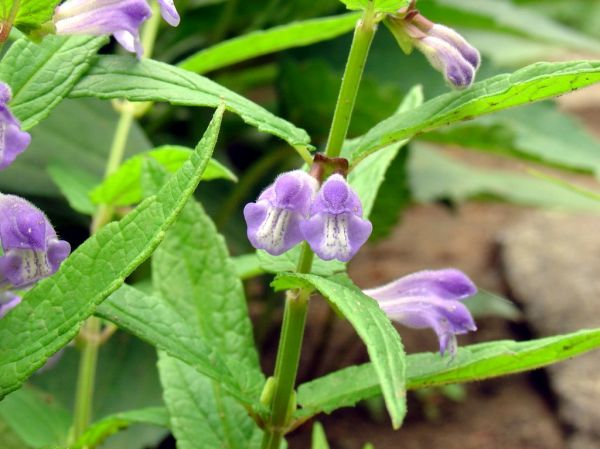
<point>31,249</point>
<point>294,209</point>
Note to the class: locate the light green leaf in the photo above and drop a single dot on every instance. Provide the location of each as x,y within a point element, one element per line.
<point>259,43</point>
<point>434,176</point>
<point>288,261</point>
<point>123,188</point>
<point>192,270</point>
<point>319,439</point>
<point>346,387</point>
<point>533,83</point>
<point>123,77</point>
<point>101,430</point>
<point>486,304</point>
<point>202,417</point>
<point>247,266</point>
<point>151,318</point>
<point>55,143</point>
<point>35,417</point>
<point>379,5</point>
<point>52,312</point>
<point>31,14</point>
<point>374,328</point>
<point>9,439</point>
<point>41,75</point>
<point>74,184</point>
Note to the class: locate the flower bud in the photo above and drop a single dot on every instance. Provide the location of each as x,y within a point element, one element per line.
<point>30,245</point>
<point>445,58</point>
<point>467,51</point>
<point>336,229</point>
<point>13,141</point>
<point>274,219</point>
<point>430,299</point>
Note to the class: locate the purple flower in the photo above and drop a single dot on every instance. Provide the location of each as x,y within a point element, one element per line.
<point>31,248</point>
<point>430,299</point>
<point>448,60</point>
<point>121,18</point>
<point>169,12</point>
<point>467,51</point>
<point>274,219</point>
<point>336,229</point>
<point>8,300</point>
<point>13,141</point>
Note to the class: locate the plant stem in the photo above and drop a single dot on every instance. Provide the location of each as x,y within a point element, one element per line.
<point>361,42</point>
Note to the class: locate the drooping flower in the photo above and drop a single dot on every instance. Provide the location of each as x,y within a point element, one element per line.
<point>121,18</point>
<point>274,219</point>
<point>8,300</point>
<point>430,299</point>
<point>446,50</point>
<point>30,245</point>
<point>13,141</point>
<point>336,229</point>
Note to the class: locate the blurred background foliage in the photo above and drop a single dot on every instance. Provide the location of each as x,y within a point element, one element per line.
<point>301,85</point>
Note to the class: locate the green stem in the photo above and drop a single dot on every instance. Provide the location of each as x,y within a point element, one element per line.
<point>363,36</point>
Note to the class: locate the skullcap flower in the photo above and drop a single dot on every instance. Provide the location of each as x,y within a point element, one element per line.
<point>13,141</point>
<point>30,245</point>
<point>430,299</point>
<point>335,228</point>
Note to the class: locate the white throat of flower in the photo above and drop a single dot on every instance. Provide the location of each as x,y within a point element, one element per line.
<point>34,265</point>
<point>336,243</point>
<point>271,232</point>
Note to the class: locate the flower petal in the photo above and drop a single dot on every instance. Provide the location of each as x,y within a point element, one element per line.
<point>169,12</point>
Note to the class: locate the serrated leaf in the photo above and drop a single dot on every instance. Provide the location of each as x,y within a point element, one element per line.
<point>123,188</point>
<point>52,312</point>
<point>35,417</point>
<point>389,6</point>
<point>346,387</point>
<point>122,77</point>
<point>532,83</point>
<point>260,43</point>
<point>100,430</point>
<point>41,75</point>
<point>374,328</point>
<point>151,318</point>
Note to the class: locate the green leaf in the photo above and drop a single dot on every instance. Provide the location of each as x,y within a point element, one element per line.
<point>123,188</point>
<point>41,75</point>
<point>260,43</point>
<point>31,14</point>
<point>486,304</point>
<point>247,266</point>
<point>538,132</point>
<point>319,439</point>
<point>288,261</point>
<point>52,312</point>
<point>202,417</point>
<point>532,83</point>
<point>379,5</point>
<point>151,318</point>
<point>74,184</point>
<point>9,439</point>
<point>101,430</point>
<point>123,77</point>
<point>192,270</point>
<point>35,417</point>
<point>346,387</point>
<point>434,176</point>
<point>374,328</point>
<point>54,143</point>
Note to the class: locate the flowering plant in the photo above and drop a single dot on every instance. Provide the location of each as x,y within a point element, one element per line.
<point>152,295</point>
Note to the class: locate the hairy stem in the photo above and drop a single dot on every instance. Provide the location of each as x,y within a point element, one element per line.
<point>361,43</point>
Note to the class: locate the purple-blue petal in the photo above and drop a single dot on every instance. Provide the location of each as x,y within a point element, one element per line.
<point>470,53</point>
<point>444,57</point>
<point>13,140</point>
<point>169,12</point>
<point>8,301</point>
